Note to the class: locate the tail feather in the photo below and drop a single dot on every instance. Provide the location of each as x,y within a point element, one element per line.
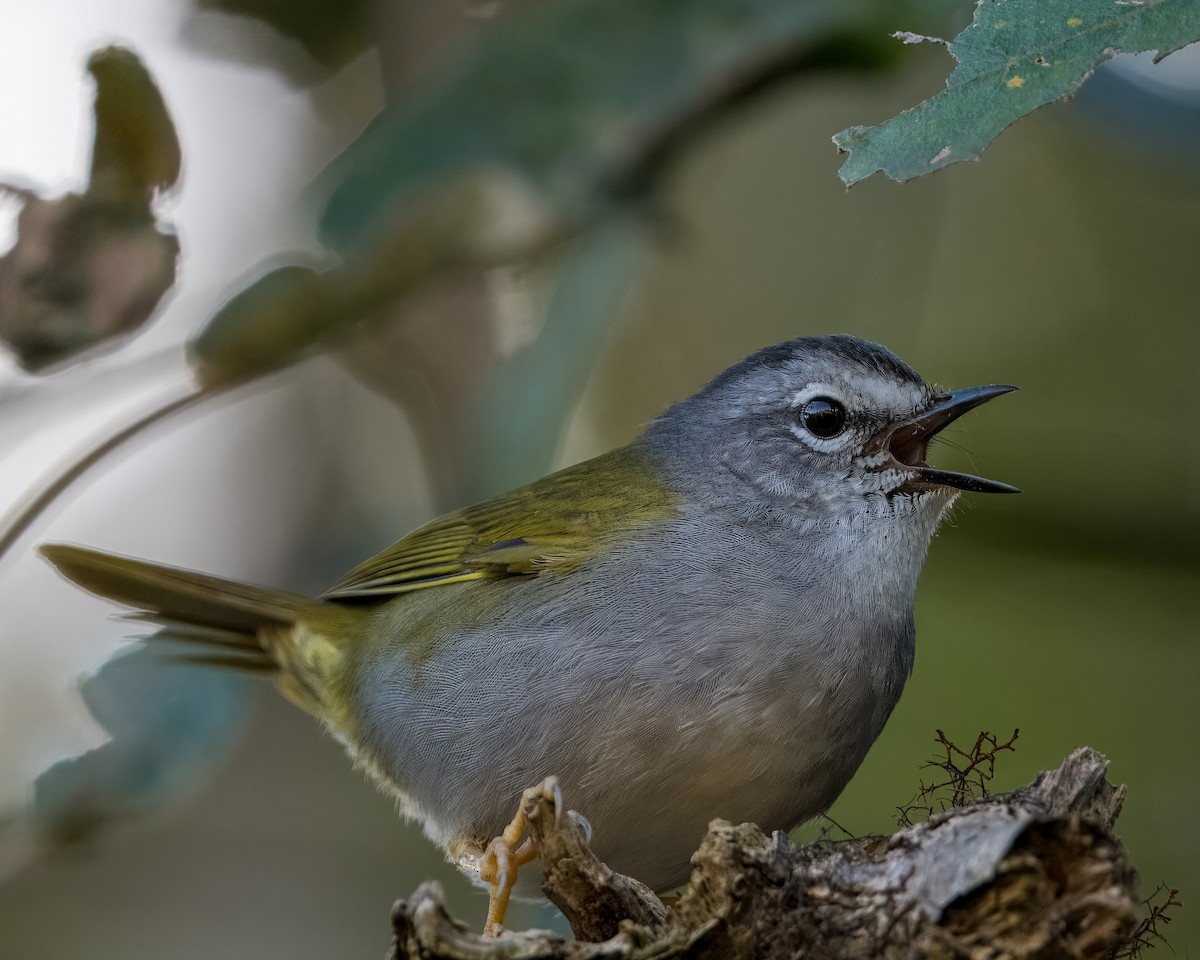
<point>186,635</point>
<point>171,594</point>
<point>301,640</point>
<point>261,667</point>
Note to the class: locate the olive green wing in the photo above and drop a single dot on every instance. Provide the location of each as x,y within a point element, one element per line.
<point>555,523</point>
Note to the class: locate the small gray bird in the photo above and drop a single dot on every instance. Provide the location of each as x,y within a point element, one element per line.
<point>713,621</point>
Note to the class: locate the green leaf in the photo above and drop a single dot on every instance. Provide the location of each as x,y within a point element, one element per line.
<point>1016,56</point>
<point>277,319</point>
<point>574,97</point>
<point>333,32</point>
<point>135,151</point>
<point>531,395</point>
<point>265,326</point>
<point>552,116</point>
<point>170,724</point>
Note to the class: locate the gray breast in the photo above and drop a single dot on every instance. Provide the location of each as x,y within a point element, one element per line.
<point>705,674</point>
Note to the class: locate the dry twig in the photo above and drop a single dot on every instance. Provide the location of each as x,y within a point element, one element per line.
<point>1036,873</point>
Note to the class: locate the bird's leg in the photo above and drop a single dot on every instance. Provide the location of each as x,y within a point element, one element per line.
<point>502,858</point>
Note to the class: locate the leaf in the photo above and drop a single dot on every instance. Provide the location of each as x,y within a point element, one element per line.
<point>135,151</point>
<point>551,116</point>
<point>477,219</point>
<point>170,723</point>
<point>265,326</point>
<point>83,271</point>
<point>575,97</point>
<point>333,32</point>
<point>554,114</point>
<point>1016,56</point>
<point>87,269</point>
<point>531,394</point>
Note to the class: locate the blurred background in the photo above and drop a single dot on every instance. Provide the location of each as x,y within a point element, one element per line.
<point>223,821</point>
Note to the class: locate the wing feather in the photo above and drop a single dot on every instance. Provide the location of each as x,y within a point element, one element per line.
<point>555,523</point>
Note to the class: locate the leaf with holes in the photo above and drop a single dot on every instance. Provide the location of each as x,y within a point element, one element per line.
<point>1016,56</point>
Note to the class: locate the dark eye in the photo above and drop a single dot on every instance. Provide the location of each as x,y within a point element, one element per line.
<point>823,417</point>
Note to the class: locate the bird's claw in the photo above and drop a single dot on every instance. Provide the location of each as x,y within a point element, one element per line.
<point>583,822</point>
<point>507,853</point>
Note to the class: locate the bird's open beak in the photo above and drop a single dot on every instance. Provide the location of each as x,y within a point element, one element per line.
<point>910,438</point>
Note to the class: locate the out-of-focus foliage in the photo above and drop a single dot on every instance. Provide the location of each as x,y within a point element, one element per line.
<point>333,32</point>
<point>88,268</point>
<point>265,325</point>
<point>169,721</point>
<point>479,220</point>
<point>83,271</point>
<point>550,372</point>
<point>579,97</point>
<point>135,151</point>
<point>557,116</point>
<point>1016,56</point>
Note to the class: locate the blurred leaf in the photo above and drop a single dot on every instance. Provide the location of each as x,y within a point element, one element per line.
<point>135,151</point>
<point>552,116</point>
<point>333,32</point>
<point>86,269</point>
<point>82,271</point>
<point>170,723</point>
<point>475,220</point>
<point>1016,56</point>
<point>582,98</point>
<point>530,396</point>
<point>265,326</point>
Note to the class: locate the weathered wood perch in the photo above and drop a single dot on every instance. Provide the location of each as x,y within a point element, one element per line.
<point>1036,873</point>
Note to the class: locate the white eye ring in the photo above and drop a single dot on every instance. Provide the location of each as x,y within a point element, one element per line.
<point>820,393</point>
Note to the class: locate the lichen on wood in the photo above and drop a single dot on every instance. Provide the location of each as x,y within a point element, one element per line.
<point>1035,873</point>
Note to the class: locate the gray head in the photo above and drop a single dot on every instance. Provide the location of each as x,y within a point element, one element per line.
<point>828,428</point>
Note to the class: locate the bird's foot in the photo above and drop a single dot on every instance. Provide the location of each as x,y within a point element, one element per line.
<point>507,853</point>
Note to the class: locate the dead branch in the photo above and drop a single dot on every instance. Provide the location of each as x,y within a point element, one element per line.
<point>1036,873</point>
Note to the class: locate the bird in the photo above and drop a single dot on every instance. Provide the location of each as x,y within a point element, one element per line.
<point>715,620</point>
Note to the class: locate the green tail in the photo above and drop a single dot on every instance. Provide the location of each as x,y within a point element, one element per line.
<point>239,625</point>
